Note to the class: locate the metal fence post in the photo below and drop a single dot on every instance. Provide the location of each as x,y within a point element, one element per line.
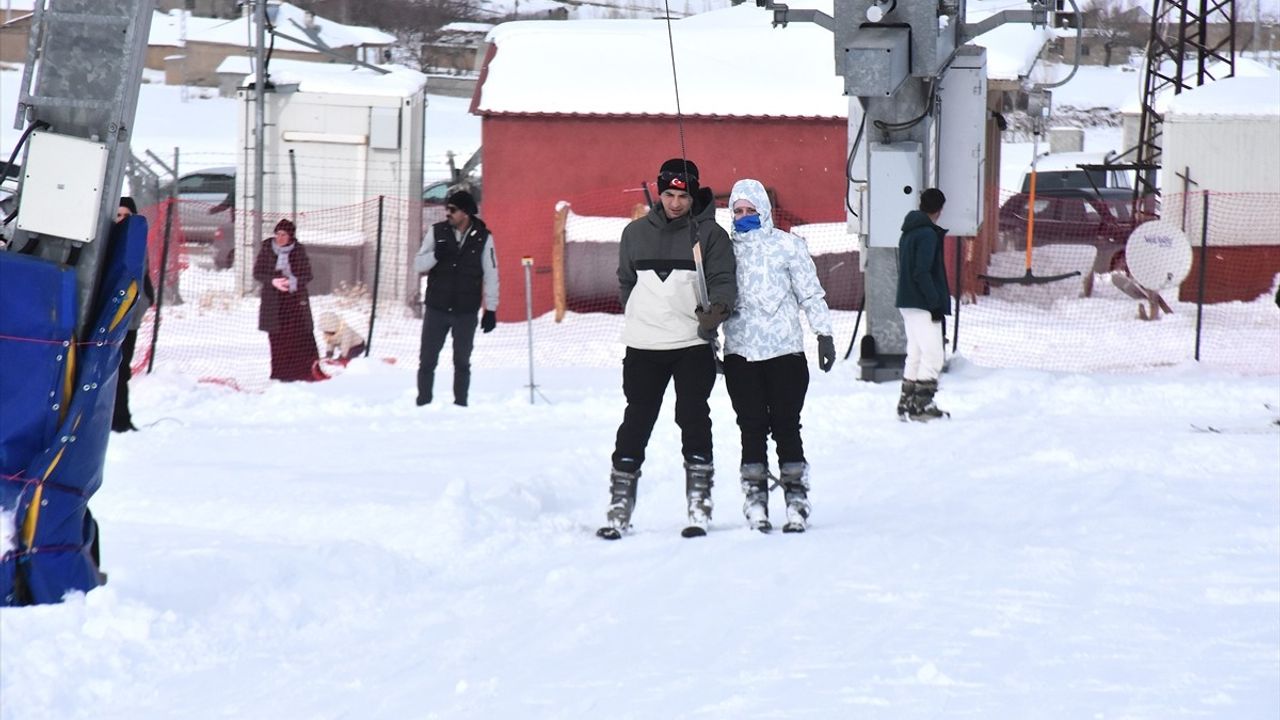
<point>377,274</point>
<point>293,187</point>
<point>955,322</point>
<point>1204,269</point>
<point>527,262</point>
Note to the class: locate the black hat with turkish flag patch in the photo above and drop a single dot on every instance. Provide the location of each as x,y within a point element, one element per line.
<point>678,174</point>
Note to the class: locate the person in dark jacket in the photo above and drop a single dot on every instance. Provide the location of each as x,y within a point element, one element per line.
<point>121,416</point>
<point>924,300</point>
<point>462,277</point>
<point>284,314</point>
<point>677,279</point>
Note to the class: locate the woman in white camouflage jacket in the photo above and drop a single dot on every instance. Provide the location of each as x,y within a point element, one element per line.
<point>765,370</point>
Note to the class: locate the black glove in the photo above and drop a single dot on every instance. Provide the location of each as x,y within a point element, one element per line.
<point>446,249</point>
<point>709,320</point>
<point>937,314</point>
<point>826,352</point>
<point>489,321</point>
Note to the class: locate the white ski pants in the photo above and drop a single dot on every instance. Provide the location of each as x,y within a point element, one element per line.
<point>924,345</point>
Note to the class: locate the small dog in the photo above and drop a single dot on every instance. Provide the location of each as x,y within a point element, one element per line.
<point>341,341</point>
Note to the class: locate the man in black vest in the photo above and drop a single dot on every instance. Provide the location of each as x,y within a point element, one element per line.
<point>462,276</point>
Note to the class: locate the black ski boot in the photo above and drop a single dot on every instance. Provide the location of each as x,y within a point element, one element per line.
<point>924,409</point>
<point>697,486</point>
<point>906,401</point>
<point>795,488</point>
<point>622,500</point>
<point>755,487</point>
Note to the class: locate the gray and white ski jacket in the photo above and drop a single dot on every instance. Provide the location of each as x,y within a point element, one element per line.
<point>658,279</point>
<point>776,278</point>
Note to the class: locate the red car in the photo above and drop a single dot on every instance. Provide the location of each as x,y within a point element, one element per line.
<point>1075,216</point>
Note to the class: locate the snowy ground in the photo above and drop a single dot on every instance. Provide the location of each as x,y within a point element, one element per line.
<point>1066,547</point>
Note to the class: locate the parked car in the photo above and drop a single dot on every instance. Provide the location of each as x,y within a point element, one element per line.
<point>206,210</point>
<point>1062,171</point>
<point>1100,218</point>
<point>435,194</point>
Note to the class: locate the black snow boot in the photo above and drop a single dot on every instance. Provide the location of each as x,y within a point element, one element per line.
<point>906,401</point>
<point>755,487</point>
<point>924,409</point>
<point>795,488</point>
<point>697,485</point>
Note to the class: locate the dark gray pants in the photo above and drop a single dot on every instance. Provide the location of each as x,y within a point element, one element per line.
<point>436,325</point>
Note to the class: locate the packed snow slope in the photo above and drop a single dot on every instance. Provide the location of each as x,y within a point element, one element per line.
<point>1066,546</point>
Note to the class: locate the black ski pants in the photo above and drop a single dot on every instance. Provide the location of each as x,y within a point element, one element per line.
<point>767,396</point>
<point>436,326</point>
<point>121,418</point>
<point>645,375</point>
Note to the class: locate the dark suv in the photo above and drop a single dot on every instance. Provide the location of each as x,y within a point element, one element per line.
<point>1076,216</point>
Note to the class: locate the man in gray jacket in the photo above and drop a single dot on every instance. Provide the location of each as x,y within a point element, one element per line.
<point>677,278</point>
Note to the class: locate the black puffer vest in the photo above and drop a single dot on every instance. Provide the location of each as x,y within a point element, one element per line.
<point>456,284</point>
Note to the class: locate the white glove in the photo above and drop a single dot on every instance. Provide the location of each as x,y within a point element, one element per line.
<point>281,284</point>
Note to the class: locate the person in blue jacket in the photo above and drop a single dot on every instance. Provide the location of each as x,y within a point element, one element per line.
<point>924,300</point>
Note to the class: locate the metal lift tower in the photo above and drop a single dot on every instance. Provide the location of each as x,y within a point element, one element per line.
<point>918,103</point>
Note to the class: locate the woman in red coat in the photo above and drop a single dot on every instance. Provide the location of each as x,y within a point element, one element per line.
<point>285,313</point>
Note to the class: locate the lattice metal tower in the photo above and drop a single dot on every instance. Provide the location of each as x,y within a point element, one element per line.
<point>1187,37</point>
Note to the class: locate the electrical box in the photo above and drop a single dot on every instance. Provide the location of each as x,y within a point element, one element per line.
<point>962,140</point>
<point>62,186</point>
<point>877,61</point>
<point>384,128</point>
<point>894,187</point>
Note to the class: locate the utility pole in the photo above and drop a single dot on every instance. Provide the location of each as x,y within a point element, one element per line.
<point>260,114</point>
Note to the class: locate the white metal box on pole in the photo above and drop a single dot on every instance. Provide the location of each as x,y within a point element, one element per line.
<point>893,184</point>
<point>962,140</point>
<point>62,186</point>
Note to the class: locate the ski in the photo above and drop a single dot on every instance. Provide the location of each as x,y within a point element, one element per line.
<point>793,527</point>
<point>1268,429</point>
<point>692,531</point>
<point>763,526</point>
<point>609,533</point>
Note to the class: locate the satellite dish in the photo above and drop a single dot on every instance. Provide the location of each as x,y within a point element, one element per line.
<point>1158,255</point>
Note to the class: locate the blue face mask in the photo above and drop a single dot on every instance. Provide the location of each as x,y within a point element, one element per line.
<point>746,223</point>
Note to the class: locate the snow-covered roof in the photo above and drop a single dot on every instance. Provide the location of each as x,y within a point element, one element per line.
<point>166,28</point>
<point>730,62</point>
<point>1245,68</point>
<point>1229,97</point>
<point>290,21</point>
<point>338,78</point>
<point>1012,48</point>
<point>467,27</point>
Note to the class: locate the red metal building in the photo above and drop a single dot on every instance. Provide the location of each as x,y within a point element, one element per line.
<point>556,127</point>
